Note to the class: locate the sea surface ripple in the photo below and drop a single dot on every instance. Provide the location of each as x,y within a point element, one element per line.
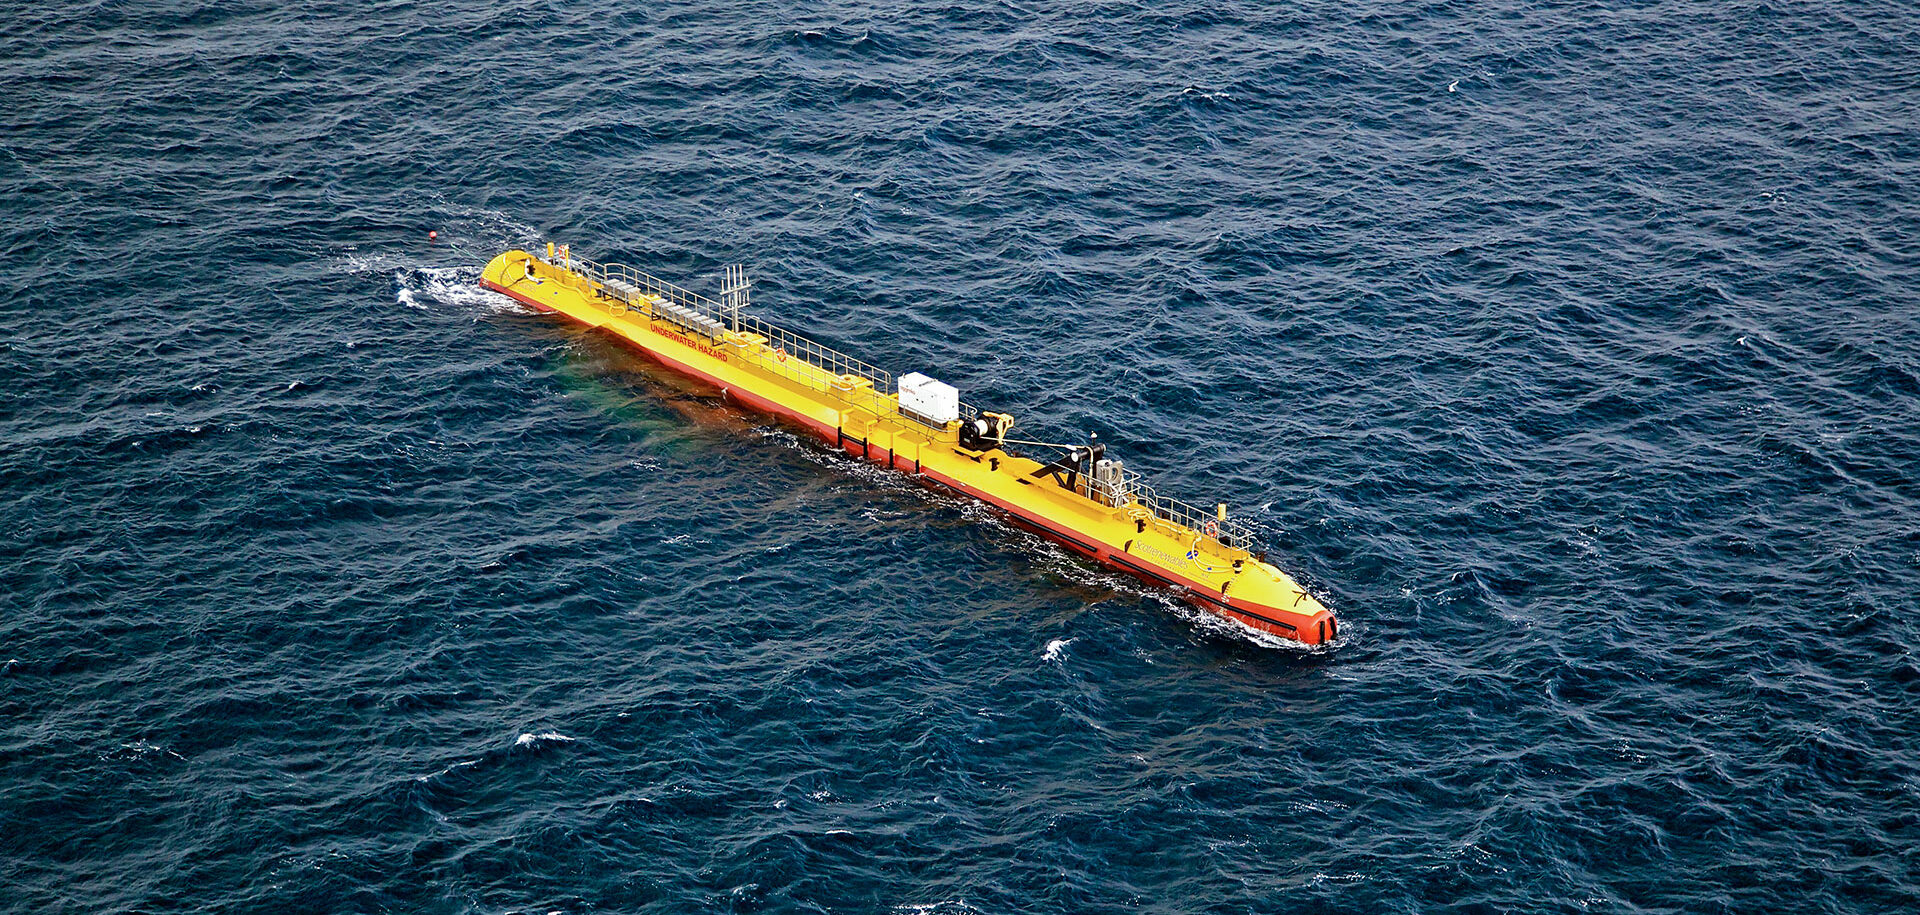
<point>1570,351</point>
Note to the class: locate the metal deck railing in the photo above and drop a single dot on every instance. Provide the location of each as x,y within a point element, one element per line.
<point>787,354</point>
<point>1130,490</point>
<point>821,367</point>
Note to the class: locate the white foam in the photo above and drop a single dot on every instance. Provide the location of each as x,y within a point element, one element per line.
<point>457,287</point>
<point>1216,624</point>
<point>372,263</point>
<point>141,749</point>
<point>528,740</point>
<point>1053,649</point>
<point>943,907</point>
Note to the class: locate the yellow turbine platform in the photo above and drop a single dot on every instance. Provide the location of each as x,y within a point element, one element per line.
<point>1088,504</point>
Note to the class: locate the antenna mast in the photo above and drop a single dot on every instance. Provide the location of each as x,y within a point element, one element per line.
<point>734,291</point>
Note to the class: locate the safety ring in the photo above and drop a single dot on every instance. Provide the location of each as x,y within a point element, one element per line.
<point>1211,528</point>
<point>780,353</point>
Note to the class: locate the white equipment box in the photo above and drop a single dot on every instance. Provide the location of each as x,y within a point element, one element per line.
<point>927,399</point>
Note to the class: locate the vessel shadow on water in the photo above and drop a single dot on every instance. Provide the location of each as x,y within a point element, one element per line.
<point>1081,499</point>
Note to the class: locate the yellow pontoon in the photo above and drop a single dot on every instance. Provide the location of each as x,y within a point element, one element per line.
<point>1091,504</point>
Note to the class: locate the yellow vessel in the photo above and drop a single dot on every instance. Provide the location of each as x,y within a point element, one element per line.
<point>1090,504</point>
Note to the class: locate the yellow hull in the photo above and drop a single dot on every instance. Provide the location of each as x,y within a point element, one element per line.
<point>788,377</point>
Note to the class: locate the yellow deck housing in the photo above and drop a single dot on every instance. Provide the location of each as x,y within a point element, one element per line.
<point>783,374</point>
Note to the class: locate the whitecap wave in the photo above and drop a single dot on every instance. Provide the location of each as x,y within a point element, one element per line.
<point>542,739</point>
<point>465,764</point>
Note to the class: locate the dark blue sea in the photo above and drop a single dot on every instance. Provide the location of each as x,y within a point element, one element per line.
<point>1569,351</point>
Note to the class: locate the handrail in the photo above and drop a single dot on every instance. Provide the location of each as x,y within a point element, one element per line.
<point>791,355</point>
<point>1130,490</point>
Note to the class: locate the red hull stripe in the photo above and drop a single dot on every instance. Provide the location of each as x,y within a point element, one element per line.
<point>1071,540</point>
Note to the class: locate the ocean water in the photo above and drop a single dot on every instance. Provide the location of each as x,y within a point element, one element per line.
<point>1570,351</point>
